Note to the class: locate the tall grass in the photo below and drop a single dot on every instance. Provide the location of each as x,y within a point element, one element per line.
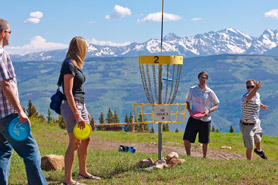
<point>118,168</point>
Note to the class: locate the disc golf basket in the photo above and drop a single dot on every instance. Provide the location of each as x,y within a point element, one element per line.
<point>154,70</point>
<point>154,77</point>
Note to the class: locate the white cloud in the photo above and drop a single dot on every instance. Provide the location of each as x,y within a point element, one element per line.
<point>118,13</point>
<point>37,14</point>
<point>272,13</point>
<point>35,17</point>
<point>156,17</point>
<point>36,44</point>
<point>108,43</point>
<point>32,20</point>
<point>197,19</point>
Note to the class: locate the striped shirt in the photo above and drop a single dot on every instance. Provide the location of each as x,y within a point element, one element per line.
<point>6,73</point>
<point>250,109</point>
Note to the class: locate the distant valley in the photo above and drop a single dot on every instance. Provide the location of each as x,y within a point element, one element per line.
<point>115,82</point>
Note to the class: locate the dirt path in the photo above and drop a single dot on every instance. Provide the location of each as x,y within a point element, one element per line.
<point>99,144</point>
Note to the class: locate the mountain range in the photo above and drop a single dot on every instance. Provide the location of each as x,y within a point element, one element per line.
<point>227,41</point>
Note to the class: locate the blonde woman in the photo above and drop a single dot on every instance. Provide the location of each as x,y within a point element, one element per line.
<point>73,108</point>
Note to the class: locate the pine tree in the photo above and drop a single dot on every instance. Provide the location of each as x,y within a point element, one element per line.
<point>130,117</point>
<point>110,117</point>
<point>152,130</point>
<point>101,118</point>
<point>29,109</point>
<point>49,118</point>
<point>213,129</point>
<point>32,111</point>
<point>127,127</point>
<point>61,122</point>
<point>116,117</point>
<point>140,118</point>
<point>145,126</point>
<point>231,129</point>
<point>42,118</point>
<point>127,118</point>
<point>177,130</point>
<point>137,128</point>
<point>117,120</point>
<point>165,127</point>
<point>101,121</point>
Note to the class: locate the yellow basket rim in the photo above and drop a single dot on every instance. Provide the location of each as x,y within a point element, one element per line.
<point>161,60</point>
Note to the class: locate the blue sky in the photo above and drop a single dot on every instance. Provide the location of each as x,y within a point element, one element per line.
<point>43,25</point>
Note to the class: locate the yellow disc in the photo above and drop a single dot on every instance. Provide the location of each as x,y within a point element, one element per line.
<point>84,133</point>
<point>161,60</point>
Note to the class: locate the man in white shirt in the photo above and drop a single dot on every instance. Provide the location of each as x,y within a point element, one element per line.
<point>202,97</point>
<point>250,124</point>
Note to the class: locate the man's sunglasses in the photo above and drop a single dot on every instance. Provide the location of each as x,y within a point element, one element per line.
<point>250,86</point>
<point>10,32</point>
<point>203,77</point>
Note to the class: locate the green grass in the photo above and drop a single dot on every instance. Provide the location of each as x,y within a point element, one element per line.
<point>118,168</point>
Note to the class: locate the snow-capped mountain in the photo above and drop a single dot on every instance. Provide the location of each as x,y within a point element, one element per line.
<point>227,41</point>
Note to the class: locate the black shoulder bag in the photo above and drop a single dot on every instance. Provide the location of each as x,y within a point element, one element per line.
<point>56,99</point>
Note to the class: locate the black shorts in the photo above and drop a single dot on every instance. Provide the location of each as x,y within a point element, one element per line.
<point>195,126</point>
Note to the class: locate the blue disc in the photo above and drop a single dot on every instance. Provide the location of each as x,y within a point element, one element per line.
<point>19,131</point>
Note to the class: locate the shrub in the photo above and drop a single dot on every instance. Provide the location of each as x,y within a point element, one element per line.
<point>231,129</point>
<point>61,122</point>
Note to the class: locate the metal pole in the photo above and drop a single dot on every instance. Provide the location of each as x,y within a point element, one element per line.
<point>160,124</point>
<point>160,69</point>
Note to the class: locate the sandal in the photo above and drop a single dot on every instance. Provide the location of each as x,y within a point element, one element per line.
<point>89,178</point>
<point>76,183</point>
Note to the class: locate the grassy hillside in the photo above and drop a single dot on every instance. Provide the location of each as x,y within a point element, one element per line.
<point>118,168</point>
<point>116,83</point>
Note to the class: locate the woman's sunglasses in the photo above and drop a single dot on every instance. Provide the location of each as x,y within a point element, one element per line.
<point>250,86</point>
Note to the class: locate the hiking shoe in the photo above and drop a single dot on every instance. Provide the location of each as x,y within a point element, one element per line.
<point>260,153</point>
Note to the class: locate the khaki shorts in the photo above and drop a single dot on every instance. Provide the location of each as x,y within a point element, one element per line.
<point>69,117</point>
<point>251,133</point>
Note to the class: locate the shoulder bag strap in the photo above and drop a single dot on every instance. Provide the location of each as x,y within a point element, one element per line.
<point>59,83</point>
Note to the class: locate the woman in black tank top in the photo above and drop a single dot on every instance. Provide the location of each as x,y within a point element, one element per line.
<point>73,107</point>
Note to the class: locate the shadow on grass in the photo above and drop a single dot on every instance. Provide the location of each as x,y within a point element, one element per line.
<point>55,180</point>
<point>118,169</point>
